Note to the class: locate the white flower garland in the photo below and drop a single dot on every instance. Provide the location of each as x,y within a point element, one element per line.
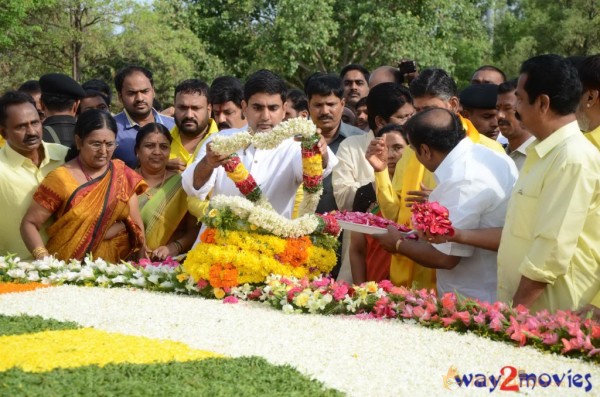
<point>226,145</point>
<point>265,218</point>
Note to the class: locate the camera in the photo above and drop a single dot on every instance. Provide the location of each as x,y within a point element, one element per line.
<point>407,67</point>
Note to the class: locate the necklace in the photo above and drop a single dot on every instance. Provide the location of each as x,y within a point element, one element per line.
<point>87,176</point>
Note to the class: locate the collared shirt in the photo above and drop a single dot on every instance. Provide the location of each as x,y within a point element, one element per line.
<point>327,202</point>
<point>474,183</point>
<point>594,137</point>
<point>19,178</point>
<point>127,131</point>
<point>278,173</point>
<point>179,151</point>
<point>520,154</point>
<point>551,233</point>
<point>63,127</point>
<point>353,169</point>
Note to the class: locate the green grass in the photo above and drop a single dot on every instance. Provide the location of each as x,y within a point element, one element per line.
<point>246,376</point>
<point>18,325</point>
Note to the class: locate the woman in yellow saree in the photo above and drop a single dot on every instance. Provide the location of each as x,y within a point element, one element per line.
<point>93,200</point>
<point>170,229</point>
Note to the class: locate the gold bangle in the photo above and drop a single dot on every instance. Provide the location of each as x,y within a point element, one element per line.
<point>178,246</point>
<point>40,252</point>
<point>398,244</point>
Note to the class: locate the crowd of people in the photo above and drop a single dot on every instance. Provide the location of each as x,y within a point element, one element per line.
<point>515,162</point>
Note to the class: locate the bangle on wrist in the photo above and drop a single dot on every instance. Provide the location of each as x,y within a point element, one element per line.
<point>40,252</point>
<point>178,246</point>
<point>398,244</point>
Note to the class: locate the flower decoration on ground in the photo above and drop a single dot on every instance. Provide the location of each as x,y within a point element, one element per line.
<point>253,242</point>
<point>432,218</point>
<point>562,332</point>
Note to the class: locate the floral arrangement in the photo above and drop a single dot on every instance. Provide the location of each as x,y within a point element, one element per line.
<point>432,218</point>
<point>369,219</point>
<point>312,168</point>
<point>562,332</point>
<point>244,243</point>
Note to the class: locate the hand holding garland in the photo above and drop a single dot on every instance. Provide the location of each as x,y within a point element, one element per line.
<point>207,165</point>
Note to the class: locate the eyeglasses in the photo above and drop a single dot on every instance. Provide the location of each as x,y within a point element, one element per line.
<point>96,146</point>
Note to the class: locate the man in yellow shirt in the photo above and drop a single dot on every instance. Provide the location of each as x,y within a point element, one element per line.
<point>433,88</point>
<point>193,126</point>
<point>24,162</point>
<point>588,111</point>
<point>549,255</point>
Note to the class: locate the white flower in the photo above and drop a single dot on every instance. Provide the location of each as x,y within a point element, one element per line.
<point>154,278</point>
<point>102,280</point>
<point>16,273</point>
<point>27,266</point>
<point>138,282</point>
<point>33,276</point>
<point>3,263</point>
<point>226,145</point>
<point>87,273</point>
<point>119,280</point>
<point>166,284</point>
<point>287,308</point>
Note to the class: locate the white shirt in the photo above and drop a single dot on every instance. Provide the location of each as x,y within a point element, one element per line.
<point>474,183</point>
<point>278,173</point>
<point>353,169</point>
<point>520,154</point>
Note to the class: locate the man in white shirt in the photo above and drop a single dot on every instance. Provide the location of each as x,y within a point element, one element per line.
<point>278,172</point>
<point>517,135</point>
<point>474,183</point>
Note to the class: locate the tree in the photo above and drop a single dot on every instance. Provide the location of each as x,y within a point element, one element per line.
<point>530,27</point>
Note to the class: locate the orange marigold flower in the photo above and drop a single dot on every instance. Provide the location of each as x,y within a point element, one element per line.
<point>295,252</point>
<point>223,276</point>
<point>6,288</point>
<point>208,236</point>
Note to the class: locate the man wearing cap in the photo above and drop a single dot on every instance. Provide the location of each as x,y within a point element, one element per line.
<point>479,105</point>
<point>60,100</point>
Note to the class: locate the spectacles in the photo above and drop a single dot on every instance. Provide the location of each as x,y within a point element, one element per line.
<point>96,146</point>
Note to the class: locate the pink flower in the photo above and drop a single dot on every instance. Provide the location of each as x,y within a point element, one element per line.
<point>449,301</point>
<point>464,316</point>
<point>386,285</point>
<point>447,321</point>
<point>144,262</point>
<point>340,292</point>
<point>496,324</point>
<point>479,318</point>
<point>202,283</point>
<point>549,338</point>
<point>230,299</point>
<point>291,293</point>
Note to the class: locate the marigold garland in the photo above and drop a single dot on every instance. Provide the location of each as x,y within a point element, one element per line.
<point>223,276</point>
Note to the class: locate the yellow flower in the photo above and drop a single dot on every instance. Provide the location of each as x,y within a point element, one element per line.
<point>371,287</point>
<point>219,293</point>
<point>240,173</point>
<point>182,277</point>
<point>301,300</point>
<point>48,350</point>
<point>312,166</point>
<point>212,213</point>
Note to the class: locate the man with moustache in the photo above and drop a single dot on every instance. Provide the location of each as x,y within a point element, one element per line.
<point>277,171</point>
<point>355,78</point>
<point>135,88</point>
<point>548,257</point>
<point>24,162</point>
<point>325,106</point>
<point>512,129</point>
<point>226,95</point>
<point>193,124</point>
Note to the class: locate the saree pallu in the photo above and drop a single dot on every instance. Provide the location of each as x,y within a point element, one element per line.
<point>162,211</point>
<point>84,213</point>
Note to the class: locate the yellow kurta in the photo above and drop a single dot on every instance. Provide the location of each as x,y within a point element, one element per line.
<point>19,178</point>
<point>409,175</point>
<point>196,206</point>
<point>551,233</point>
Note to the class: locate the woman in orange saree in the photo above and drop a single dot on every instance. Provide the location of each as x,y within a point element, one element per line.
<point>93,200</point>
